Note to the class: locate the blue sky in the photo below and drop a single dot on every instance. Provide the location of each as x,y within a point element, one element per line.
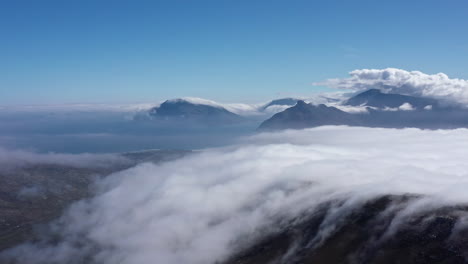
<point>230,51</point>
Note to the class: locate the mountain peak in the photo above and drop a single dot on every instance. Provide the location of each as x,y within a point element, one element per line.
<point>301,103</point>
<point>304,115</point>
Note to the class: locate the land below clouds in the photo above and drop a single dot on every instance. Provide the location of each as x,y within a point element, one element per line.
<point>37,188</point>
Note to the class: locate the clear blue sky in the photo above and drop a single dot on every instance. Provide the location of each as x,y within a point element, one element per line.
<point>239,50</point>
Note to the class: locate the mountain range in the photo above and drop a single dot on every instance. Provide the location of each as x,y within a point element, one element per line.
<point>371,108</point>
<point>380,110</point>
<point>205,111</point>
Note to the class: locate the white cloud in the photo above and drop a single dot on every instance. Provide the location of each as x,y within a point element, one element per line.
<point>415,83</point>
<point>196,209</point>
<point>197,101</point>
<point>403,107</point>
<point>352,109</point>
<point>243,109</point>
<point>273,109</point>
<point>406,107</point>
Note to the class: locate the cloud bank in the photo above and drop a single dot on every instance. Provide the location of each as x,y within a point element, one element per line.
<point>203,207</point>
<point>415,83</point>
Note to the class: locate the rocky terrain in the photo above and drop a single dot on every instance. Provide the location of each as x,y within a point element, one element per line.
<point>366,235</point>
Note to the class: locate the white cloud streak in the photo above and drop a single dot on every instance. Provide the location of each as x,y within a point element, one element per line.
<point>195,210</point>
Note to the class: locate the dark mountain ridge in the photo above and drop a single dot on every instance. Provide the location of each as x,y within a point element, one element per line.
<point>365,236</point>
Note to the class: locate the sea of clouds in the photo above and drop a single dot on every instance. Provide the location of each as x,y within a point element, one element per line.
<point>204,207</point>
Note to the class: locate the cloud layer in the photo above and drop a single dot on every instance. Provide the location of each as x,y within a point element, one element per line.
<point>201,208</point>
<point>415,83</point>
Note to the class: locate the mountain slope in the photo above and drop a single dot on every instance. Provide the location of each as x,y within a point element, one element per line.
<point>363,237</point>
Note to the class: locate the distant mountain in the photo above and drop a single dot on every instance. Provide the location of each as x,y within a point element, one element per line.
<point>389,110</point>
<point>376,98</point>
<point>205,111</point>
<point>181,109</point>
<point>304,115</point>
